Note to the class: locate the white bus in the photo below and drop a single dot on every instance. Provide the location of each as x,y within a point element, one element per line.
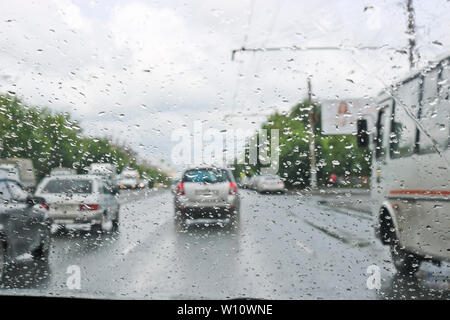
<point>410,181</point>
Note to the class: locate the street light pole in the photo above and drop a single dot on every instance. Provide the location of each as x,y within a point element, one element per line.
<point>411,32</point>
<point>312,145</point>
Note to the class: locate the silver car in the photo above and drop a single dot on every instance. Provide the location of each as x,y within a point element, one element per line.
<point>269,183</point>
<point>80,201</point>
<point>207,193</point>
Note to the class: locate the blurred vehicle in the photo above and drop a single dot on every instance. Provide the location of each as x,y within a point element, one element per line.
<point>128,179</point>
<point>80,201</point>
<point>410,179</point>
<point>333,179</point>
<point>207,193</point>
<point>25,170</point>
<point>145,181</point>
<point>60,171</point>
<point>269,183</point>
<point>106,171</point>
<point>24,226</point>
<point>141,184</point>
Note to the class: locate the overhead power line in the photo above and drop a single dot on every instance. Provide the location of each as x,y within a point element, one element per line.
<point>297,48</point>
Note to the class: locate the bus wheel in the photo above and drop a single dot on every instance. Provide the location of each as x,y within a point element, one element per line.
<point>405,262</point>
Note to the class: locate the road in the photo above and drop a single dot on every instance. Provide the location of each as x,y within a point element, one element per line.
<point>287,247</point>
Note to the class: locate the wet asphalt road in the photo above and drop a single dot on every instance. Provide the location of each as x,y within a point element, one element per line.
<point>287,247</point>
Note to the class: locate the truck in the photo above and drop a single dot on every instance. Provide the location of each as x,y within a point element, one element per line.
<point>60,171</point>
<point>20,169</point>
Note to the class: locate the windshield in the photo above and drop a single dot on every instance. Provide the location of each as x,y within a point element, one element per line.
<point>262,149</point>
<point>68,186</point>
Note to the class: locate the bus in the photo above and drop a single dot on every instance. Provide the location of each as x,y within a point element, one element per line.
<point>410,182</point>
<point>20,169</point>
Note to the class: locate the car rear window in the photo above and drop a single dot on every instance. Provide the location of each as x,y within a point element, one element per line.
<point>68,186</point>
<point>206,176</point>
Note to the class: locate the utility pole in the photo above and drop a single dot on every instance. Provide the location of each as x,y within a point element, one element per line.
<point>312,145</point>
<point>411,32</point>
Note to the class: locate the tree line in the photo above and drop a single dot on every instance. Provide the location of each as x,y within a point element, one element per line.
<point>53,139</point>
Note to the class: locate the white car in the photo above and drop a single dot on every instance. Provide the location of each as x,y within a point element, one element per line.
<point>269,183</point>
<point>80,201</point>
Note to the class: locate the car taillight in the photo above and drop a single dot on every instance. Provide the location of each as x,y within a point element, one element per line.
<point>180,188</point>
<point>45,206</point>
<point>233,188</point>
<point>89,206</point>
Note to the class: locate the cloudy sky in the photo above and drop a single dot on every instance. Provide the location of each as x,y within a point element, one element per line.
<point>137,70</point>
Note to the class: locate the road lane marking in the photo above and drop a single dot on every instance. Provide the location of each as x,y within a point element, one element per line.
<point>129,249</point>
<point>304,247</point>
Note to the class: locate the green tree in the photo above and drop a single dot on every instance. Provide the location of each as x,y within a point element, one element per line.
<point>55,140</point>
<point>334,154</point>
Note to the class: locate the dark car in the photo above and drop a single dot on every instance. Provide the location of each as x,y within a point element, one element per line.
<point>24,227</point>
